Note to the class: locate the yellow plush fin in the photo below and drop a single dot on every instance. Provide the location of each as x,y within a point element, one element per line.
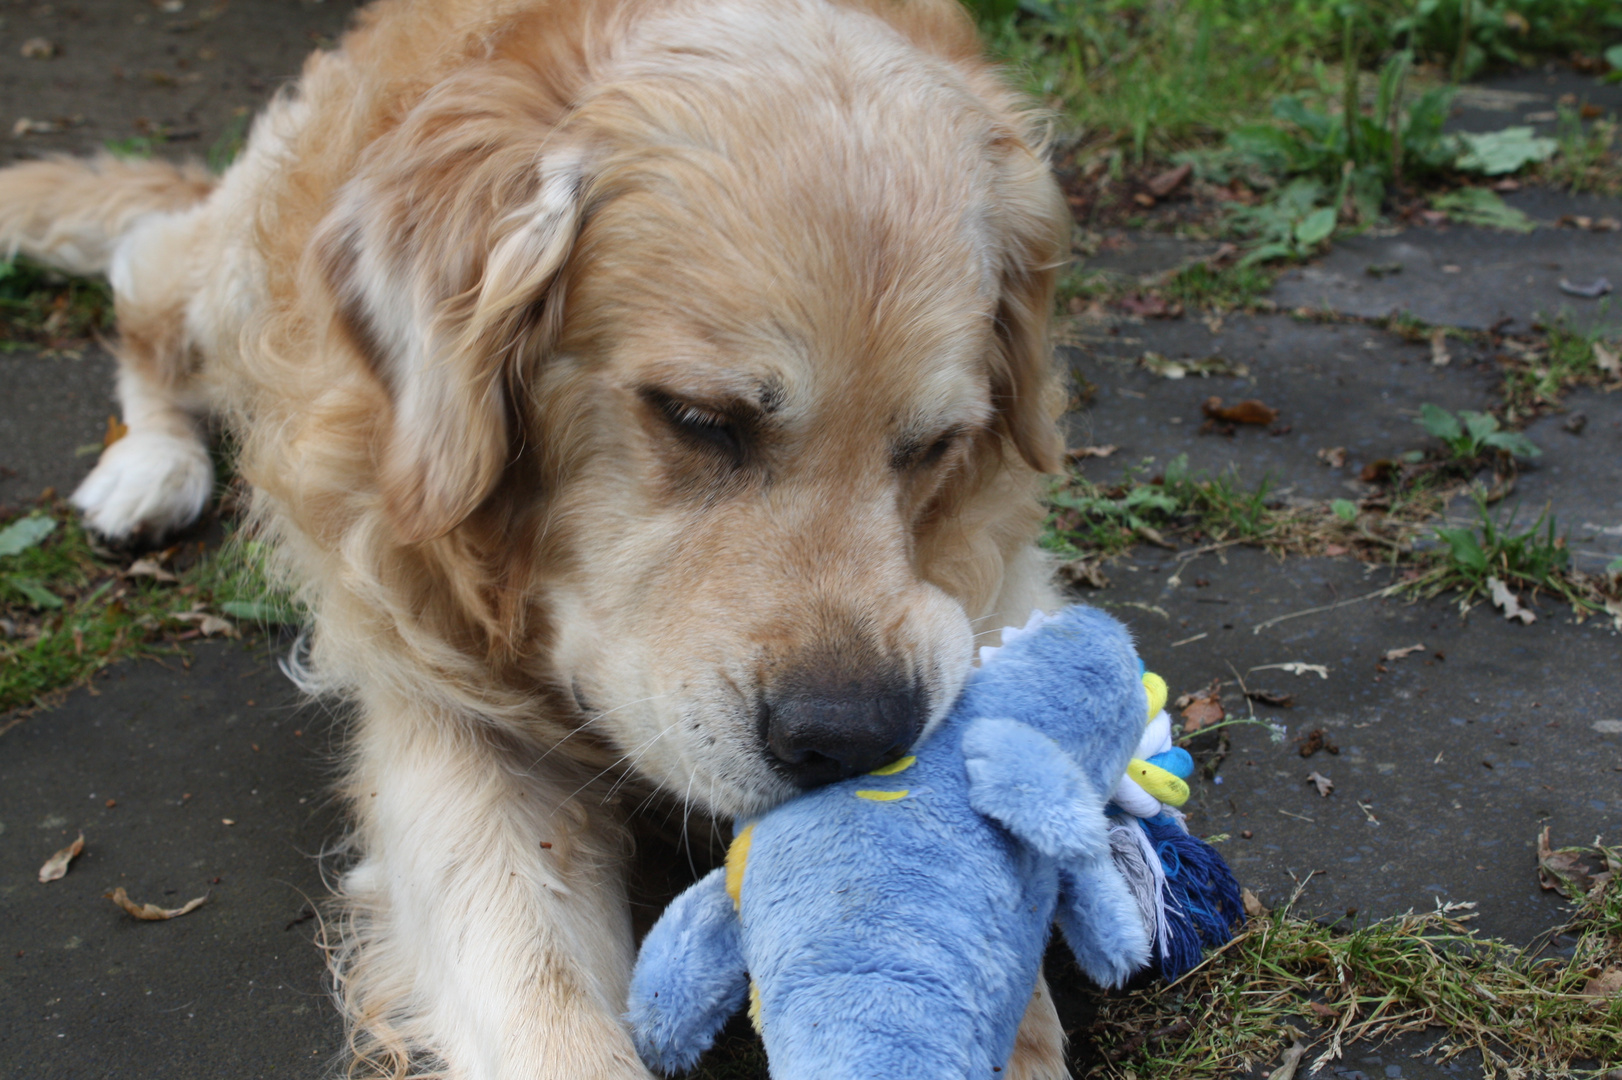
<point>737,858</point>
<point>1165,786</point>
<point>899,765</point>
<point>1156,687</point>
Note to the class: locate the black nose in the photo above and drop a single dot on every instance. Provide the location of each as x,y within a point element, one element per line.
<point>816,736</point>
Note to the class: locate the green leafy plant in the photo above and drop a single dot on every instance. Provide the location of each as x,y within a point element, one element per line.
<point>1468,434</point>
<point>71,610</point>
<point>39,306</point>
<point>1482,207</point>
<point>1490,548</point>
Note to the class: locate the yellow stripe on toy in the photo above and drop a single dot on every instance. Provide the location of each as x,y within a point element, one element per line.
<point>1156,686</point>
<point>754,1007</point>
<point>899,765</point>
<point>737,858</point>
<point>1165,786</point>
<point>883,796</point>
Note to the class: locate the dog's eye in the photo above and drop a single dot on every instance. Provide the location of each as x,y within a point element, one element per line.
<point>937,450</point>
<point>914,455</point>
<point>701,425</point>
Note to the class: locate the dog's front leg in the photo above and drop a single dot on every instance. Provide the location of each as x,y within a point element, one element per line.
<point>485,927</point>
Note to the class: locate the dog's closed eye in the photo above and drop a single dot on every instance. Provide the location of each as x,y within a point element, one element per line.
<point>919,454</point>
<point>701,426</point>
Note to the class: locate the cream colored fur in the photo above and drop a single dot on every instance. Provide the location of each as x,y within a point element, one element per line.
<point>472,301</point>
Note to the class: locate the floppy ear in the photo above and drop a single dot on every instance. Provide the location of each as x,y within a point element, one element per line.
<point>441,253</point>
<point>1034,226</point>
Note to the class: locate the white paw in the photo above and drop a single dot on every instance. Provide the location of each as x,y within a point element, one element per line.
<point>147,483</point>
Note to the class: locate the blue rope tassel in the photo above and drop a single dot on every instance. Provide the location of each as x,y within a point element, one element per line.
<point>1202,897</point>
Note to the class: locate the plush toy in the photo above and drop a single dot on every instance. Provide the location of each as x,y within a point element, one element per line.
<point>893,925</point>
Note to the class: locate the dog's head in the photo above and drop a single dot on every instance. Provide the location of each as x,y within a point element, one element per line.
<point>740,369</point>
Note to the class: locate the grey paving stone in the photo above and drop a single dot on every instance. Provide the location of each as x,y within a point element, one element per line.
<point>234,989</point>
<point>53,406</point>
<point>1579,476</point>
<point>1336,384</point>
<point>1494,277</point>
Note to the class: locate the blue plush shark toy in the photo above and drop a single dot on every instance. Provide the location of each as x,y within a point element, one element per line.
<point>893,925</point>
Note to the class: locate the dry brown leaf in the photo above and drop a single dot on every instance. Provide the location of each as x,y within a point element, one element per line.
<point>1564,870</point>
<point>1609,361</point>
<point>207,624</point>
<point>152,912</point>
<point>149,567</point>
<point>1083,572</point>
<point>1333,456</point>
<point>1201,710</point>
<point>1320,1009</point>
<point>1440,357</point>
<point>1321,782</point>
<point>38,48</point>
<point>1407,650</point>
<point>1077,453</point>
<point>1276,698</point>
<point>1607,983</point>
<point>1504,599</point>
<point>1289,1062</point>
<point>1169,181</point>
<point>56,867</point>
<point>1249,411</point>
<point>116,430</point>
<point>1254,908</point>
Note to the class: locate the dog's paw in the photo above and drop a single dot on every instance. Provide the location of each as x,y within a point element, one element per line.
<point>146,484</point>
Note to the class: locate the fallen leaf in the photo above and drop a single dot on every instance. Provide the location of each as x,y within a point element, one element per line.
<point>1249,411</point>
<point>208,625</point>
<point>1610,362</point>
<point>152,912</point>
<point>1078,453</point>
<point>1205,368</point>
<point>149,567</point>
<point>1591,291</point>
<point>1320,1009</point>
<point>56,867</point>
<point>25,126</point>
<point>1376,471</point>
<point>1289,1062</point>
<point>1295,667</point>
<point>1607,983</point>
<point>1201,710</point>
<point>1321,782</point>
<point>1083,572</point>
<point>1503,598</point>
<point>1333,456</point>
<point>1272,697</point>
<point>116,430</point>
<point>1563,870</point>
<point>38,48</point>
<point>1149,306</point>
<point>1254,908</point>
<point>1169,181</point>
<point>1440,357</point>
<point>1315,740</point>
<point>1407,650</point>
<point>25,533</point>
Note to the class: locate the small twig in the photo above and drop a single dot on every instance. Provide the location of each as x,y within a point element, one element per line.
<point>1387,591</point>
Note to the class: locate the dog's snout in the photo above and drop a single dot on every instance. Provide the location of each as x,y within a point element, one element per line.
<point>819,735</point>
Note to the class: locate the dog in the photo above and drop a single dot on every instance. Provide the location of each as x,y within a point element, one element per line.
<point>644,396</point>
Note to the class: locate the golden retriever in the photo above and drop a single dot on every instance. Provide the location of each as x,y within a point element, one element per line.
<point>646,391</point>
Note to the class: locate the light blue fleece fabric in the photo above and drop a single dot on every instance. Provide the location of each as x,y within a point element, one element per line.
<point>900,936</point>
